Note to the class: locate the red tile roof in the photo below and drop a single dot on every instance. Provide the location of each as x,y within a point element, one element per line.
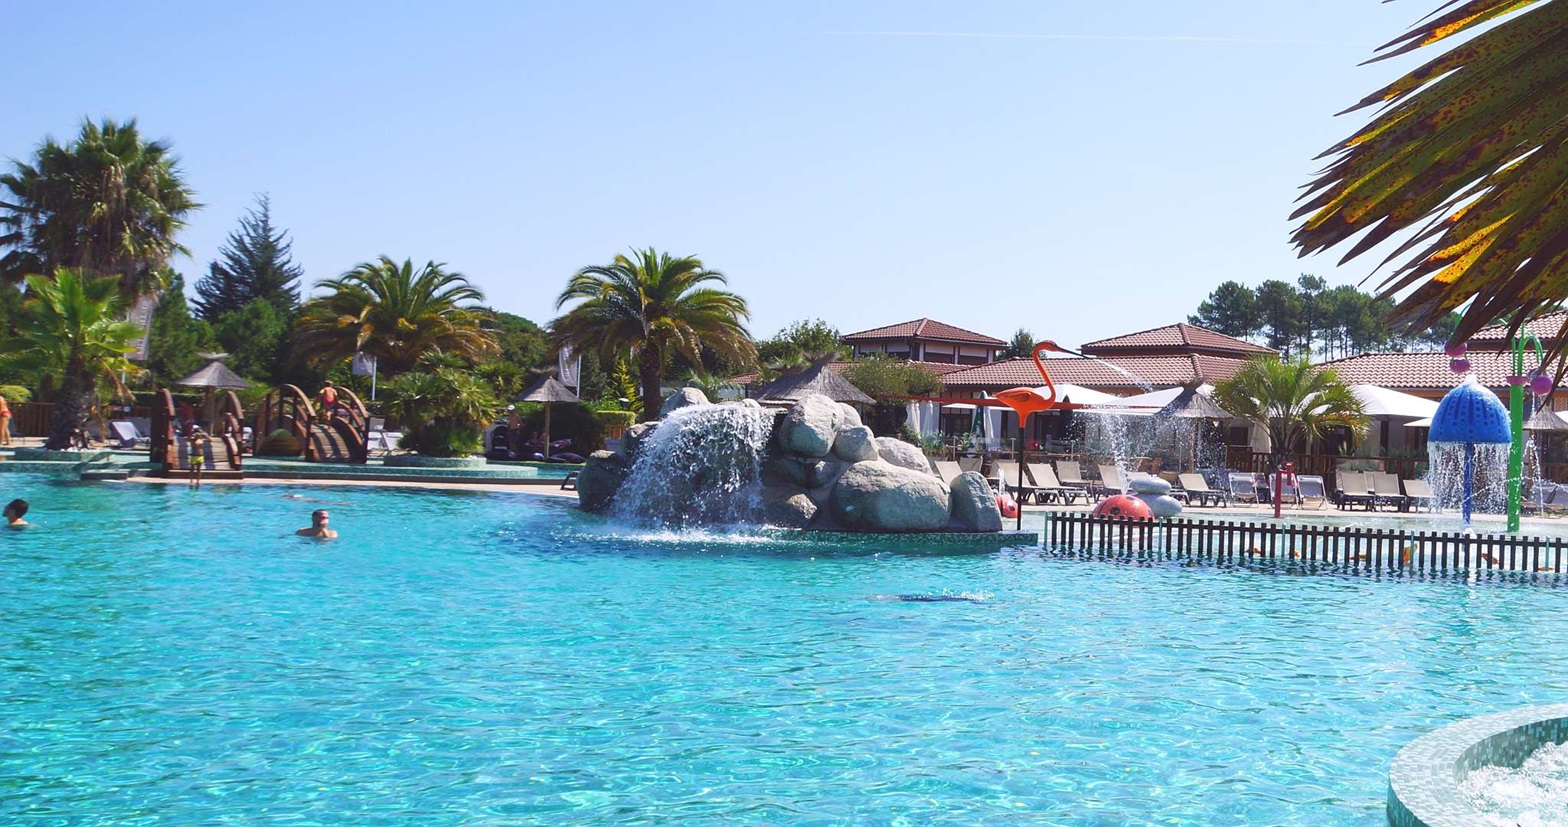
<point>1421,370</point>
<point>935,368</point>
<point>1545,327</point>
<point>1155,371</point>
<point>925,329</point>
<point>1180,337</point>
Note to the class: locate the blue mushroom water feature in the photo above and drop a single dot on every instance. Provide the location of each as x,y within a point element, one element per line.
<point>1469,415</point>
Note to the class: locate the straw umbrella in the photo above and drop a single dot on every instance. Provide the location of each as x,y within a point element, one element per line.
<point>1194,405</point>
<point>817,379</point>
<point>211,377</point>
<point>548,391</point>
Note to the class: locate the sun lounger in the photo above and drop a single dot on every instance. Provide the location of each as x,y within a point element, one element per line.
<point>1385,489</point>
<point>947,470</point>
<point>1312,490</point>
<point>1111,481</point>
<point>1008,472</point>
<point>1048,486</point>
<point>1289,488</point>
<point>1353,489</point>
<point>1556,502</point>
<point>1070,474</point>
<point>1242,487</point>
<point>1418,493</point>
<point>1197,489</point>
<point>129,437</point>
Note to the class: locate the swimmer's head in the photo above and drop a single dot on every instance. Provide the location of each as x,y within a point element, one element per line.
<point>15,509</point>
<point>319,517</point>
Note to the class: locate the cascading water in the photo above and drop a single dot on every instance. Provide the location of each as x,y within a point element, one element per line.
<point>1468,448</point>
<point>701,467</point>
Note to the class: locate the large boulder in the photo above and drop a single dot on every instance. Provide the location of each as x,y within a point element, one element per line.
<point>823,473</point>
<point>683,398</point>
<point>878,496</point>
<point>787,507</point>
<point>808,430</point>
<point>851,416</point>
<point>634,438</point>
<point>785,471</point>
<point>855,443</point>
<point>600,479</point>
<point>902,454</point>
<point>973,504</point>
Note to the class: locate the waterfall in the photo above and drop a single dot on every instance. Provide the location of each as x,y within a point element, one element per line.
<point>701,466</point>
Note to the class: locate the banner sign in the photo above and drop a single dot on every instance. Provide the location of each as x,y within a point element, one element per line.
<point>141,316</point>
<point>570,366</point>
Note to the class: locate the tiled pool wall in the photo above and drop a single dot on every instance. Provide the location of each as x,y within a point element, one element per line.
<point>1423,782</point>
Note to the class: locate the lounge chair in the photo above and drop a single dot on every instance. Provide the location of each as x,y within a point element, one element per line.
<point>1048,486</point>
<point>1008,472</point>
<point>1312,490</point>
<point>946,470</point>
<point>1353,489</point>
<point>129,437</point>
<point>1242,487</point>
<point>1419,494</point>
<point>1111,481</point>
<point>1556,502</point>
<point>1197,488</point>
<point>1289,488</point>
<point>1385,489</point>
<point>1070,474</point>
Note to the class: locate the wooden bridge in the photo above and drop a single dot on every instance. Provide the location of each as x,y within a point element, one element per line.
<point>338,435</point>
<point>1354,549</point>
<point>222,457</point>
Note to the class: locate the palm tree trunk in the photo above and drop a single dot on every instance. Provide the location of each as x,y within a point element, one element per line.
<point>650,367</point>
<point>70,408</point>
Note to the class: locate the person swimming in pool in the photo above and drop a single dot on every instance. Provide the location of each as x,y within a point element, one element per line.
<point>319,527</point>
<point>14,511</point>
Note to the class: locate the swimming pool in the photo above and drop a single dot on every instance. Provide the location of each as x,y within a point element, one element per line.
<point>471,658</point>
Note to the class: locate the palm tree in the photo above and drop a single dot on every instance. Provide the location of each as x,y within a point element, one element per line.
<point>649,306</point>
<point>395,314</point>
<point>1467,158</point>
<point>72,326</point>
<point>108,203</point>
<point>1292,400</point>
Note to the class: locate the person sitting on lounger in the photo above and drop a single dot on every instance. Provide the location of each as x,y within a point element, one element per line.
<point>318,526</point>
<point>15,510</point>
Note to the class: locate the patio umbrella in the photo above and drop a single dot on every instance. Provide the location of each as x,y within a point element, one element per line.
<point>1195,406</point>
<point>211,377</point>
<point>1545,420</point>
<point>548,391</point>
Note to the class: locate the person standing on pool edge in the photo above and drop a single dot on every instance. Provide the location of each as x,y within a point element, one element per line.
<point>319,527</point>
<point>198,454</point>
<point>5,423</point>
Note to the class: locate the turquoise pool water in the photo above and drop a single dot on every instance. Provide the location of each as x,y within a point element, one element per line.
<point>173,657</point>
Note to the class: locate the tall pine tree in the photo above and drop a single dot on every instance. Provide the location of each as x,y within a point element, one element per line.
<point>253,264</point>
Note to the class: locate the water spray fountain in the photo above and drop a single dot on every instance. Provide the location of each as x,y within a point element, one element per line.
<point>1469,416</point>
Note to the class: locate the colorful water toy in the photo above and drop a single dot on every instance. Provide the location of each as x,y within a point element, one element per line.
<point>1123,506</point>
<point>1025,401</point>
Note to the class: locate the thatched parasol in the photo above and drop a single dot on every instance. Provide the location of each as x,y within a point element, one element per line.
<point>1545,419</point>
<point>793,387</point>
<point>1190,404</point>
<point>549,391</point>
<point>211,377</point>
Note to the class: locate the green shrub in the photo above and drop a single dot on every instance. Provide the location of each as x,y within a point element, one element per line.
<point>15,393</point>
<point>621,419</point>
<point>280,443</point>
<point>443,439</point>
<point>574,421</point>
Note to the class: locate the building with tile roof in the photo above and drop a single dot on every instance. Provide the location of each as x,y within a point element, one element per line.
<point>1122,375</point>
<point>1177,339</point>
<point>926,340</point>
<point>1545,326</point>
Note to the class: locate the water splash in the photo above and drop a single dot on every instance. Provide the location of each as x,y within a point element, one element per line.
<point>701,467</point>
<point>1534,794</point>
<point>1446,476</point>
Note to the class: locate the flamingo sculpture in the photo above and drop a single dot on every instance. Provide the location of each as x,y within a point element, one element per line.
<point>1025,401</point>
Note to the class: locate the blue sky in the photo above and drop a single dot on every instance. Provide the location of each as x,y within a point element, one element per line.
<point>1079,169</point>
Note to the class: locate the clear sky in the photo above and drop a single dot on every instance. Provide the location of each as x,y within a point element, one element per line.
<point>1079,169</point>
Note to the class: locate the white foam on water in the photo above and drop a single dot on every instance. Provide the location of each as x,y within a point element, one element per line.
<point>701,467</point>
<point>1534,795</point>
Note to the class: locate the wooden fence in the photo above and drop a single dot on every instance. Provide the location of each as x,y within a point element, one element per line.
<point>1365,550</point>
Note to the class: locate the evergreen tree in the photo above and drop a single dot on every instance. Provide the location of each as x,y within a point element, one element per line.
<point>1021,346</point>
<point>255,263</point>
<point>176,340</point>
<point>254,338</point>
<point>1279,310</point>
<point>1232,309</point>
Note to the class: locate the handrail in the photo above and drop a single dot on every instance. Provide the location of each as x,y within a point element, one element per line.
<point>291,403</point>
